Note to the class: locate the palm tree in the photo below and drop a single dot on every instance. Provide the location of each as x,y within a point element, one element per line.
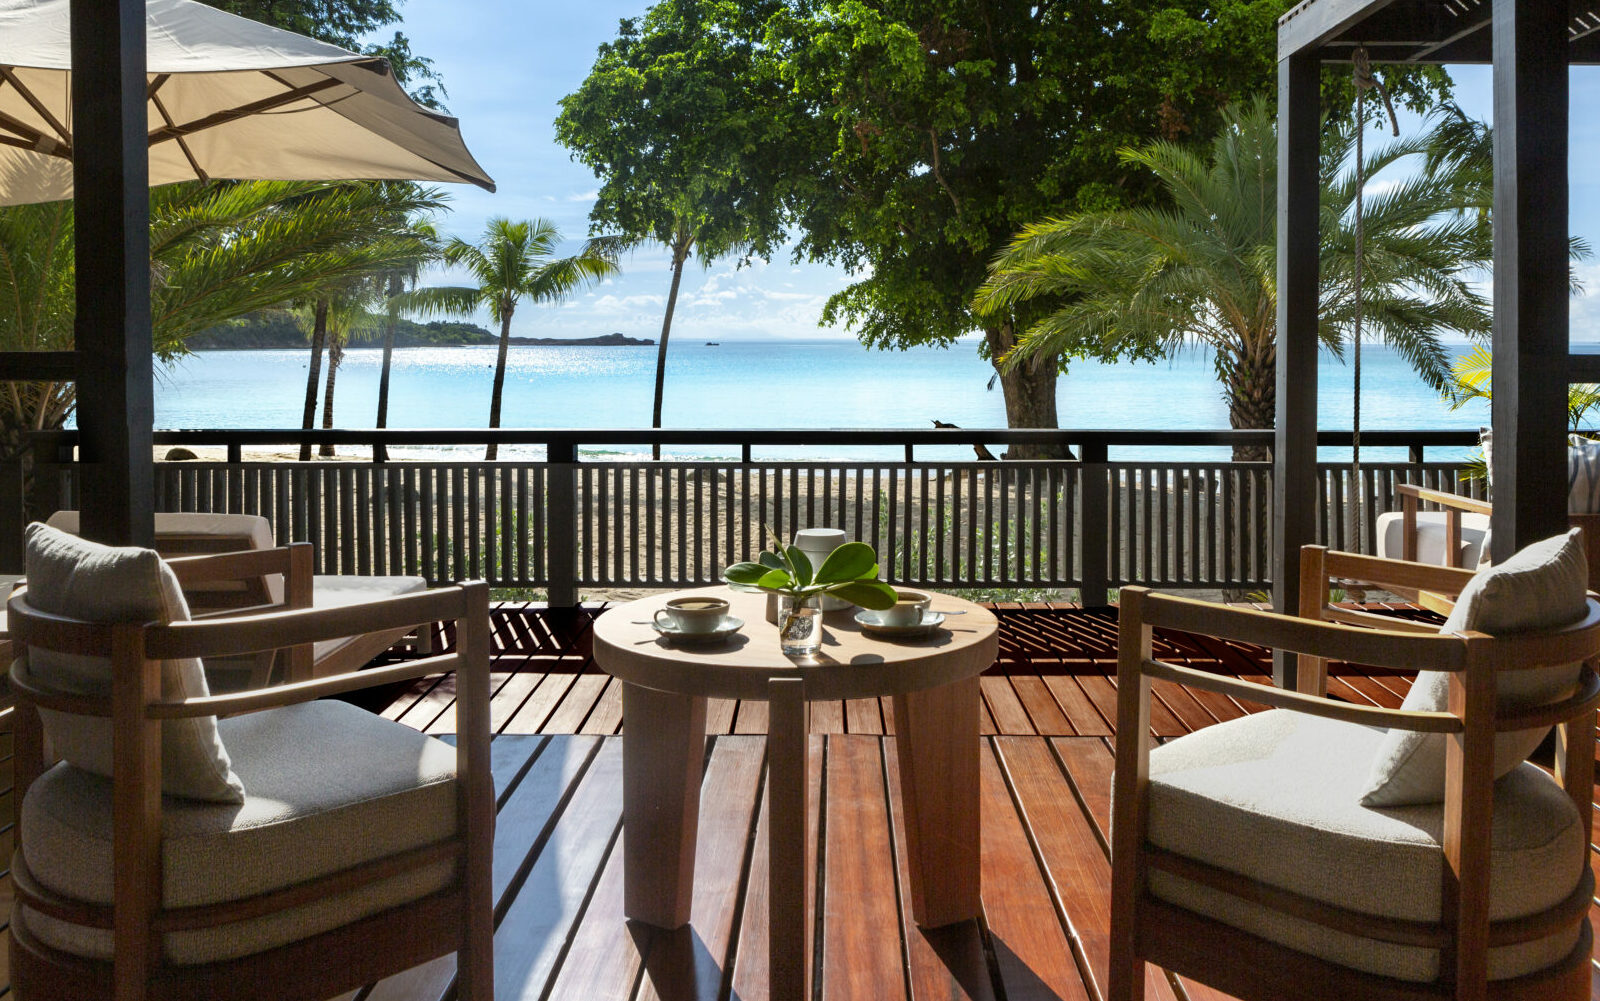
<point>394,217</point>
<point>218,251</point>
<point>1142,283</point>
<point>514,261</point>
<point>347,318</point>
<point>395,282</point>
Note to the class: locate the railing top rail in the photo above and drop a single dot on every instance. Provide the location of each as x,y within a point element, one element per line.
<point>770,436</point>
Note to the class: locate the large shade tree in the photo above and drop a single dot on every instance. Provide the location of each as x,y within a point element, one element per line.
<point>1140,283</point>
<point>514,261</point>
<point>680,128</point>
<point>932,130</point>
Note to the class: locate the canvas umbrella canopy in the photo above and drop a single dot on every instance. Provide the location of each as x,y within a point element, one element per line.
<point>227,98</point>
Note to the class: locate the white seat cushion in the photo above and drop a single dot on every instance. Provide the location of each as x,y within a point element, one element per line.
<point>330,786</point>
<point>243,531</point>
<point>1275,796</point>
<point>339,590</point>
<point>87,581</point>
<point>1431,537</point>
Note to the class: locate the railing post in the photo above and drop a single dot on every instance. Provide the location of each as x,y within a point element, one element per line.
<point>561,520</point>
<point>1095,530</point>
<point>13,511</point>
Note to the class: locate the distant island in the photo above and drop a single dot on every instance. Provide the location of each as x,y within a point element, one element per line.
<point>278,329</point>
<point>603,341</point>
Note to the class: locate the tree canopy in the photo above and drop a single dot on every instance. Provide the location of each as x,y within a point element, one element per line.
<point>919,135</point>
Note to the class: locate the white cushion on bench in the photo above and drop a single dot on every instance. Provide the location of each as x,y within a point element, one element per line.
<point>1431,537</point>
<point>329,786</point>
<point>338,590</point>
<point>1275,796</point>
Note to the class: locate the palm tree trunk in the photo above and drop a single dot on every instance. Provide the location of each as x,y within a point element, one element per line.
<point>680,253</point>
<point>499,381</point>
<point>335,356</point>
<point>1252,387</point>
<point>1030,391</point>
<point>380,452</point>
<point>319,335</point>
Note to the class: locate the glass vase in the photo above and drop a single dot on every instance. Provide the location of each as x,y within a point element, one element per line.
<point>799,625</point>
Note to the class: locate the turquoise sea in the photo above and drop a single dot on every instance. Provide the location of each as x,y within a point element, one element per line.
<point>762,384</point>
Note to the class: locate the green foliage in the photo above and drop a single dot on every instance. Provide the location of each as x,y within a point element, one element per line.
<point>345,23</point>
<point>278,329</point>
<point>850,573</point>
<point>514,261</point>
<point>1140,283</point>
<point>217,251</point>
<point>677,121</point>
<point>1471,375</point>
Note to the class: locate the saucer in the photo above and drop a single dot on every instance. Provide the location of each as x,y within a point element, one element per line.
<point>868,620</point>
<point>727,627</point>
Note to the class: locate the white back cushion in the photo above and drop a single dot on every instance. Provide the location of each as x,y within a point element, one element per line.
<point>84,580</point>
<point>1541,587</point>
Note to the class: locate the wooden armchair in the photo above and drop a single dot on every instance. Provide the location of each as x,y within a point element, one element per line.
<point>1243,857</point>
<point>1455,535</point>
<point>343,848</point>
<point>189,533</point>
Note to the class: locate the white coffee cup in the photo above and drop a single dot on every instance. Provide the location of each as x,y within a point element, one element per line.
<point>695,614</point>
<point>908,610</point>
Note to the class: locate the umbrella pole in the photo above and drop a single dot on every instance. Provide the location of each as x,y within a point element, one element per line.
<point>115,351</point>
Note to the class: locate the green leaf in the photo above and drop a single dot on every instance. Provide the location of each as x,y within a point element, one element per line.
<point>772,560</point>
<point>851,561</point>
<point>802,565</point>
<point>775,580</point>
<point>866,593</point>
<point>744,573</point>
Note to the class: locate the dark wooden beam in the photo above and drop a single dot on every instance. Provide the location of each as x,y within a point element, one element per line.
<point>1583,368</point>
<point>38,366</point>
<point>1311,25</point>
<point>1530,274</point>
<point>1294,450</point>
<point>110,174</point>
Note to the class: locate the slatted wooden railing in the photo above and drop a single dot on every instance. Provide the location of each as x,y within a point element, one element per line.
<point>573,521</point>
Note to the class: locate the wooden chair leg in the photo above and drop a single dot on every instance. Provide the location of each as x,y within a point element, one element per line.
<point>663,748</point>
<point>788,923</point>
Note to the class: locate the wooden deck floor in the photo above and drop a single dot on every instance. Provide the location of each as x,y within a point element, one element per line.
<point>1047,761</point>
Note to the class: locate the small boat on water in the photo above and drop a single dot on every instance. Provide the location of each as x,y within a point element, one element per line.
<point>713,344</point>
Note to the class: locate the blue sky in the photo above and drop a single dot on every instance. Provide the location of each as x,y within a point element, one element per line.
<point>507,64</point>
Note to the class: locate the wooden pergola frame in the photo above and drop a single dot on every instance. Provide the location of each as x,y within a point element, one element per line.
<point>1530,44</point>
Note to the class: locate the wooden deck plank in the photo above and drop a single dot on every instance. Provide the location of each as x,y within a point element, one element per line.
<point>510,698</point>
<point>1075,703</point>
<point>1031,950</point>
<point>606,717</point>
<point>1044,714</point>
<point>691,963</point>
<point>533,933</point>
<point>861,948</point>
<point>750,963</point>
<point>719,715</point>
<point>607,953</point>
<point>942,964</point>
<point>827,716</point>
<point>538,707</point>
<point>1076,869</point>
<point>576,704</point>
<point>863,716</point>
<point>752,718</point>
<point>531,775</point>
<point>1001,698</point>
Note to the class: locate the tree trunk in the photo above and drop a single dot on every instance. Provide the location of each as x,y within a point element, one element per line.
<point>335,356</point>
<point>1252,386</point>
<point>319,336</point>
<point>680,253</point>
<point>499,382</point>
<point>1030,391</point>
<point>380,452</point>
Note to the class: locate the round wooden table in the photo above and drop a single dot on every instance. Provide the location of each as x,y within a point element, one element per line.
<point>933,681</point>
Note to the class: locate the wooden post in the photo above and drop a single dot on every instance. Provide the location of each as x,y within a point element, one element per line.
<point>1097,541</point>
<point>1294,449</point>
<point>561,543</point>
<point>110,173</point>
<point>1531,271</point>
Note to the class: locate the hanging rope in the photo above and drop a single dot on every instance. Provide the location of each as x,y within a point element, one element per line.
<point>1365,80</point>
